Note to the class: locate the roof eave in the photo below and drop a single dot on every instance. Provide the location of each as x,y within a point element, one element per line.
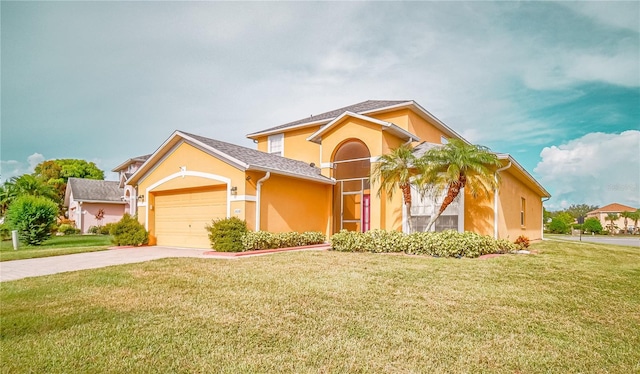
<point>516,164</point>
<point>319,179</point>
<point>316,137</point>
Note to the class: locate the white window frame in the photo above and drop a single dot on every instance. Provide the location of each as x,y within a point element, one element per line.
<point>271,140</point>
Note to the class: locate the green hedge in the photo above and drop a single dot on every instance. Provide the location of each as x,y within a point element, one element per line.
<point>441,244</point>
<point>266,240</point>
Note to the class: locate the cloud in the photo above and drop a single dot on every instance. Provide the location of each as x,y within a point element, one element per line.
<point>14,168</point>
<point>597,169</point>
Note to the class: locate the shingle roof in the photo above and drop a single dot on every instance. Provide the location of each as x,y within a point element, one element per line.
<point>420,149</point>
<point>95,190</point>
<point>614,208</point>
<point>130,161</point>
<point>255,159</point>
<point>359,108</point>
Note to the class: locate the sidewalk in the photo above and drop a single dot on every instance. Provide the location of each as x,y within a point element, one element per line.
<point>18,269</point>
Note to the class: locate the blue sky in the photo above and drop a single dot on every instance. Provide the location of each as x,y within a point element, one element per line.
<point>557,85</point>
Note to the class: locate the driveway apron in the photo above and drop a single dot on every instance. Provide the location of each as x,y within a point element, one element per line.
<point>18,269</point>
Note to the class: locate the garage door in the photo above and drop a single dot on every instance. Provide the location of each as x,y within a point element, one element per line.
<point>181,215</point>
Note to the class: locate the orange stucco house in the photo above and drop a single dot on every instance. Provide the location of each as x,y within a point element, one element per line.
<point>313,175</point>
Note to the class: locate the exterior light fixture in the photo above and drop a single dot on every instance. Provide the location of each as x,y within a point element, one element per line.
<point>234,190</point>
<point>141,198</point>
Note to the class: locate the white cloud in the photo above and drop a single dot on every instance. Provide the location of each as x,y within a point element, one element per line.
<point>596,169</point>
<point>620,14</point>
<point>14,168</point>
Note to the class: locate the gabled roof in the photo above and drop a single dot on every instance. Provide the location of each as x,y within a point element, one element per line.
<point>131,161</point>
<point>368,107</point>
<point>238,156</point>
<point>386,126</point>
<point>363,107</point>
<point>92,190</point>
<point>613,208</point>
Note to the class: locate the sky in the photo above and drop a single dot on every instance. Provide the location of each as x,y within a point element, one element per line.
<point>556,85</point>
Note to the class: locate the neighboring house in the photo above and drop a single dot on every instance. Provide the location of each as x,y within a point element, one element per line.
<point>313,174</point>
<point>125,171</point>
<point>85,198</point>
<point>614,208</point>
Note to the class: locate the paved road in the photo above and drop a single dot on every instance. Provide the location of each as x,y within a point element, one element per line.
<point>627,241</point>
<point>18,269</point>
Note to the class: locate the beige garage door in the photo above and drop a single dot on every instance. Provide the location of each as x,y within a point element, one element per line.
<point>181,215</point>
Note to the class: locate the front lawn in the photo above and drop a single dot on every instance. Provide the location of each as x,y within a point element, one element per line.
<point>55,246</point>
<point>571,308</point>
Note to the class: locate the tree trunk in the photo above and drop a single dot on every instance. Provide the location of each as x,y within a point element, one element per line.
<point>406,196</point>
<point>452,192</point>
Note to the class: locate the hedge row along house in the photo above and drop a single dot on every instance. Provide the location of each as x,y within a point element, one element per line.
<point>313,175</point>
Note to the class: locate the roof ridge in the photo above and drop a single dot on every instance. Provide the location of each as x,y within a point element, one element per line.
<point>361,107</point>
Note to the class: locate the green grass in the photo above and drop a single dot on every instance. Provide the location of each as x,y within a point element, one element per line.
<point>55,246</point>
<point>571,308</point>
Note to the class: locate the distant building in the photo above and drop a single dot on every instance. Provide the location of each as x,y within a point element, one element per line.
<point>614,208</point>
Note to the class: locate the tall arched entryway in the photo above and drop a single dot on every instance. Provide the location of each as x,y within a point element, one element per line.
<point>351,194</point>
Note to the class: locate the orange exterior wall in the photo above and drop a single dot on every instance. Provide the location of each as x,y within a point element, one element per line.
<point>289,204</point>
<point>510,193</point>
<point>296,145</point>
<point>410,121</point>
<point>479,212</point>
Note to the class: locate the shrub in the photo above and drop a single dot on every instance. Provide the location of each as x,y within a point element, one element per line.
<point>592,225</point>
<point>67,221</point>
<point>313,237</point>
<point>33,217</point>
<point>558,226</point>
<point>266,240</point>
<point>68,229</point>
<point>522,242</point>
<point>101,230</point>
<point>226,234</point>
<point>350,241</point>
<point>382,241</point>
<point>128,231</point>
<point>441,244</point>
<point>5,232</point>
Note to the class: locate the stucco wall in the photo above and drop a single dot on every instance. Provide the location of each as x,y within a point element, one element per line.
<point>112,213</point>
<point>510,194</point>
<point>289,204</point>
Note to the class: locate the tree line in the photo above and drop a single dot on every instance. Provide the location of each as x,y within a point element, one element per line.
<point>562,221</point>
<point>31,203</point>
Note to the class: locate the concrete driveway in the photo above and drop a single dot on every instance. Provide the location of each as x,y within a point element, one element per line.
<point>18,269</point>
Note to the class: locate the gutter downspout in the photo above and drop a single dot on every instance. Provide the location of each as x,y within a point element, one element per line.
<point>258,197</point>
<point>495,202</point>
<point>542,215</point>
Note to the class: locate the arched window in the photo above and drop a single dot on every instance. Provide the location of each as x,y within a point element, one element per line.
<point>351,169</point>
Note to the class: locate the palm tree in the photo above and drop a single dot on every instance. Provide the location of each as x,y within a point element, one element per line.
<point>635,216</point>
<point>8,193</point>
<point>626,216</point>
<point>396,170</point>
<point>29,185</point>
<point>612,217</point>
<point>458,165</point>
